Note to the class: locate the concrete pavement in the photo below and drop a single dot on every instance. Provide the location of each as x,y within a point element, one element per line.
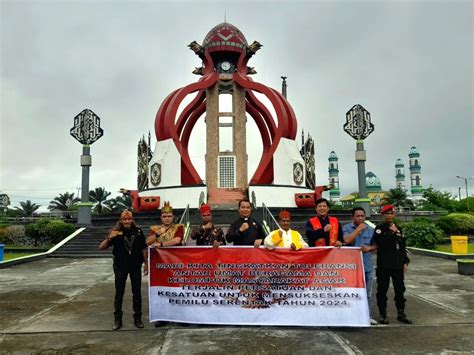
<point>66,305</point>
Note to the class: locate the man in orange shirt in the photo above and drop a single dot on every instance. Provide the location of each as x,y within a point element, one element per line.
<point>323,230</point>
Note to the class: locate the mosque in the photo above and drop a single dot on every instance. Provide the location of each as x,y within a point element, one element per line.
<point>373,185</point>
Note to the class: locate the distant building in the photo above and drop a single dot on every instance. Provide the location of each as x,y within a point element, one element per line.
<point>415,174</point>
<point>334,193</point>
<point>400,174</point>
<point>374,192</point>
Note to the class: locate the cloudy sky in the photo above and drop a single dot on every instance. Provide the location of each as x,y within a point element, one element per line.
<point>410,63</point>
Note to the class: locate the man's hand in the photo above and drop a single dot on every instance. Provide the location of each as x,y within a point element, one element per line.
<point>405,268</point>
<point>361,227</point>
<point>161,230</point>
<point>216,244</point>
<point>207,226</point>
<point>257,243</point>
<point>293,246</point>
<point>114,233</point>
<point>393,228</point>
<point>338,244</point>
<point>145,269</point>
<point>327,227</point>
<point>244,227</point>
<point>365,248</point>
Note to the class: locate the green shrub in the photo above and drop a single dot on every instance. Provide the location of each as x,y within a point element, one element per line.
<point>422,233</point>
<point>456,223</point>
<point>57,230</point>
<point>48,231</point>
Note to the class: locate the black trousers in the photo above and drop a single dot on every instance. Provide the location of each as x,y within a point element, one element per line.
<point>383,282</point>
<point>120,281</point>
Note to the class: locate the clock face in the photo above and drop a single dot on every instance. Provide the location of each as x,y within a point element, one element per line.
<point>225,65</point>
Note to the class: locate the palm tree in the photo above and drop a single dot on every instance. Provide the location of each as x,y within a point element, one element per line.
<point>27,208</point>
<point>120,203</point>
<point>63,202</point>
<point>99,197</point>
<point>397,197</point>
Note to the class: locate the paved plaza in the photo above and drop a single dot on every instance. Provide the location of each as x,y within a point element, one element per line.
<point>62,306</point>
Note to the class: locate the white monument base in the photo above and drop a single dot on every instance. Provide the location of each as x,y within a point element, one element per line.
<point>276,195</point>
<point>179,196</point>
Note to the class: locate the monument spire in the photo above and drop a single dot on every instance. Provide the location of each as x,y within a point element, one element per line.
<point>283,86</point>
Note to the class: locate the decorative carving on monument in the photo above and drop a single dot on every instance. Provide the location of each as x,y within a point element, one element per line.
<point>298,173</point>
<point>155,174</point>
<point>86,127</point>
<point>143,158</point>
<point>307,153</point>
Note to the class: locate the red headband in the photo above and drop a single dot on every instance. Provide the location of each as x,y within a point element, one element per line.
<point>205,208</point>
<point>284,214</point>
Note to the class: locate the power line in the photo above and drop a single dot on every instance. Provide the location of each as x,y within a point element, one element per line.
<point>55,189</point>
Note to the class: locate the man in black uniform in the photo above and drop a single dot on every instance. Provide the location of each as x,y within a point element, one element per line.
<point>245,230</point>
<point>392,262</point>
<point>129,254</point>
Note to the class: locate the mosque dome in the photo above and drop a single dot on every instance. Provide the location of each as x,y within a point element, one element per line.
<point>399,163</point>
<point>225,37</point>
<point>372,182</point>
<point>332,155</point>
<point>414,152</point>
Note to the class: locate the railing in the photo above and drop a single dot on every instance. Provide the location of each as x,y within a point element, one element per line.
<point>187,226</point>
<point>269,222</point>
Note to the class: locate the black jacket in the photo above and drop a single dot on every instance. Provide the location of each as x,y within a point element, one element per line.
<point>248,237</point>
<point>391,251</point>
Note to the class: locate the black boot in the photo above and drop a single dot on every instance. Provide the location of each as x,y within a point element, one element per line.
<point>118,322</point>
<point>402,317</point>
<point>137,320</point>
<point>383,318</point>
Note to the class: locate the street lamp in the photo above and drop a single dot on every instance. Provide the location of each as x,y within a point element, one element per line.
<point>467,192</point>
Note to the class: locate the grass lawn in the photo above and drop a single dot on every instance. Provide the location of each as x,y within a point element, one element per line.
<point>447,248</point>
<point>10,256</point>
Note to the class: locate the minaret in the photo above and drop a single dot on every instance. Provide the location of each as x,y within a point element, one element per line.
<point>334,193</point>
<point>400,174</point>
<point>415,174</point>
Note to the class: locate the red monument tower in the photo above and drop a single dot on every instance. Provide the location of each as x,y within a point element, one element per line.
<point>225,53</point>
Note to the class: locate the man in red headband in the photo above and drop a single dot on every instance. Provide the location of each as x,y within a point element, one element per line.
<point>207,233</point>
<point>129,254</point>
<point>392,262</point>
<point>285,237</point>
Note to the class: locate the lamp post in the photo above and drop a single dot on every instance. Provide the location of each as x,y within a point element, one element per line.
<point>86,130</point>
<point>467,192</point>
<point>359,127</point>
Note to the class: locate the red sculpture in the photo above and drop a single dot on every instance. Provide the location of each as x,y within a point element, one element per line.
<point>225,40</point>
<point>142,203</point>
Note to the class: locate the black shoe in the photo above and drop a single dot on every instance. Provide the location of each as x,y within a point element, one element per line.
<point>117,324</point>
<point>138,323</point>
<point>383,320</point>
<point>402,317</point>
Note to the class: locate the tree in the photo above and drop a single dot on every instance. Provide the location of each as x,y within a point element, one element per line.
<point>397,197</point>
<point>63,202</point>
<point>435,200</point>
<point>27,208</point>
<point>120,203</point>
<point>99,197</point>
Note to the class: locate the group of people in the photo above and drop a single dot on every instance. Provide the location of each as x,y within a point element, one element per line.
<point>386,239</point>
